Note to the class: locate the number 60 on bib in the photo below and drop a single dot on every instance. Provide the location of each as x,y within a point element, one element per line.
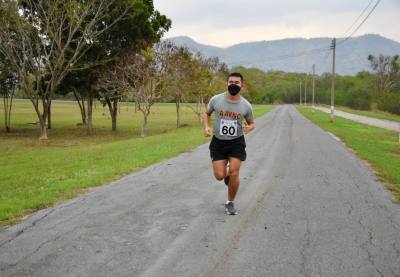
<point>228,127</point>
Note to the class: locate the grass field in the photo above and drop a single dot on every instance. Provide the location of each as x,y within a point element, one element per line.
<point>372,113</point>
<point>37,174</point>
<point>378,146</point>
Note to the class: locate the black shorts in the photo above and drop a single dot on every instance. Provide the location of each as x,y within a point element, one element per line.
<point>223,149</point>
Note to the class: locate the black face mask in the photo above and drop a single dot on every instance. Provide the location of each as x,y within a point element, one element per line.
<point>233,89</point>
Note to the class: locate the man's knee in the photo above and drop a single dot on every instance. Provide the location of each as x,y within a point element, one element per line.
<point>233,172</point>
<point>219,175</point>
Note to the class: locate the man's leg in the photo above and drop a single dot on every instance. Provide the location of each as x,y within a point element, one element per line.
<point>219,168</point>
<point>234,166</point>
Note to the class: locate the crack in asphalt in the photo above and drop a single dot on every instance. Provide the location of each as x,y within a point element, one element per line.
<point>20,232</point>
<point>305,247</point>
<point>38,220</point>
<point>369,242</point>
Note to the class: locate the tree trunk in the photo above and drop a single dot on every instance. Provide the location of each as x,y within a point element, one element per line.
<point>144,127</point>
<point>114,123</point>
<point>89,113</point>
<point>178,116</point>
<point>83,112</point>
<point>7,99</point>
<point>200,106</point>
<point>5,112</point>
<point>115,114</point>
<point>41,117</point>
<point>113,108</point>
<point>43,129</point>
<point>82,108</point>
<point>45,109</point>
<point>9,112</point>
<point>49,115</point>
<point>42,121</point>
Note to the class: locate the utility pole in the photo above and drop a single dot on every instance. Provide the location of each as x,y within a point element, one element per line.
<point>305,91</point>
<point>313,85</point>
<point>300,92</point>
<point>333,47</point>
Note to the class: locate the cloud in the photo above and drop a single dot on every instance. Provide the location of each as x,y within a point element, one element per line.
<point>223,23</point>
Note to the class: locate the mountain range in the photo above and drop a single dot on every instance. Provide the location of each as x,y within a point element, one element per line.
<point>299,54</point>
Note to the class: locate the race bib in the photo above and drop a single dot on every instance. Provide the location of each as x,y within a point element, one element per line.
<point>228,127</point>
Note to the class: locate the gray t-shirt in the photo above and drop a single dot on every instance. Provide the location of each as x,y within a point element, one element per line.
<point>229,115</point>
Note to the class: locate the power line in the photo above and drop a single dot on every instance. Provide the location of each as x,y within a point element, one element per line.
<point>355,21</point>
<point>362,22</point>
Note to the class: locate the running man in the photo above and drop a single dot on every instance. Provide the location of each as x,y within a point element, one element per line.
<point>227,147</point>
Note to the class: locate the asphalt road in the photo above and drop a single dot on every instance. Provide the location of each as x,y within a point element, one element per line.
<point>308,207</point>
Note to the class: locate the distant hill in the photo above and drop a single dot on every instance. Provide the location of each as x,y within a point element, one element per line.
<point>277,54</point>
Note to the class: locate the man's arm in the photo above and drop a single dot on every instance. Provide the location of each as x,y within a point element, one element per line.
<point>206,121</point>
<point>249,126</point>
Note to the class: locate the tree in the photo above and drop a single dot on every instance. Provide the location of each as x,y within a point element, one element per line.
<point>8,84</point>
<point>209,77</point>
<point>387,69</point>
<point>110,92</point>
<point>79,83</point>
<point>143,76</point>
<point>141,27</point>
<point>180,77</point>
<point>43,40</point>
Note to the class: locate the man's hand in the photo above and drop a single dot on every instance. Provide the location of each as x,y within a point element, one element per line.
<point>207,131</point>
<point>248,128</point>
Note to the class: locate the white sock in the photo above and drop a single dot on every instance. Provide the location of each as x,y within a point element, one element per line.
<point>227,202</point>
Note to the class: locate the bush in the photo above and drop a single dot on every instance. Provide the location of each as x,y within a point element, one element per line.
<point>390,102</point>
<point>358,99</point>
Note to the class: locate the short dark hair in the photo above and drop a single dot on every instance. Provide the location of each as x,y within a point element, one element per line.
<point>235,74</point>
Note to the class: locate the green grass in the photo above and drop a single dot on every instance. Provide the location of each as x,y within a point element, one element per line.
<point>372,113</point>
<point>37,174</point>
<point>379,147</point>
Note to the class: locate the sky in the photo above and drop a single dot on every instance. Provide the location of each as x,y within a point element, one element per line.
<point>227,22</point>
